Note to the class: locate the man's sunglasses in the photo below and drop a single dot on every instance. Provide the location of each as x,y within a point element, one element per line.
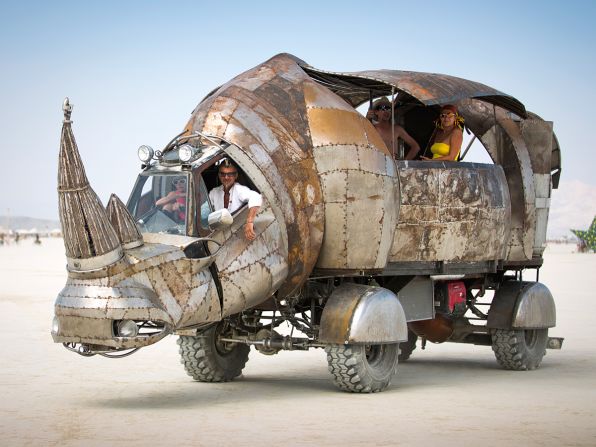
<point>383,108</point>
<point>228,174</point>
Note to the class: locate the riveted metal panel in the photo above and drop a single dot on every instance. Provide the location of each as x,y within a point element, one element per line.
<point>317,96</point>
<point>271,122</point>
<point>335,158</point>
<point>374,138</point>
<point>364,218</point>
<point>442,205</point>
<point>335,184</point>
<point>330,127</point>
<point>501,136</point>
<point>250,272</point>
<point>361,209</point>
<point>334,253</point>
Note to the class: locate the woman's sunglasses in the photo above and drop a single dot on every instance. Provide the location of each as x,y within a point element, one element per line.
<point>446,115</point>
<point>227,174</point>
<point>383,108</point>
<point>180,180</point>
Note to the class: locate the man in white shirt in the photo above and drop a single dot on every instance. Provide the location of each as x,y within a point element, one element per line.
<point>232,195</point>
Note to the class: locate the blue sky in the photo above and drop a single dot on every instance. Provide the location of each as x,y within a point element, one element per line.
<point>134,70</point>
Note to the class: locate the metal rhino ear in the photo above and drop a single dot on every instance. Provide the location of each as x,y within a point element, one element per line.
<point>123,223</point>
<point>89,238</point>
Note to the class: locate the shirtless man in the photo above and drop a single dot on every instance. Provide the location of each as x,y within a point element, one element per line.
<point>380,116</point>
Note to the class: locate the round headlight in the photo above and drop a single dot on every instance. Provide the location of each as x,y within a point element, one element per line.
<point>185,152</point>
<point>145,153</point>
<point>55,325</point>
<point>127,328</point>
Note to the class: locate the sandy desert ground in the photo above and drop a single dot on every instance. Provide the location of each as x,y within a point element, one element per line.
<point>448,395</point>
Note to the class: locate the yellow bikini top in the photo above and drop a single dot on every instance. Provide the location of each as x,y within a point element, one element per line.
<point>439,149</point>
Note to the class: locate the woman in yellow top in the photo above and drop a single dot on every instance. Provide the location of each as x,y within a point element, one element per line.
<point>447,141</point>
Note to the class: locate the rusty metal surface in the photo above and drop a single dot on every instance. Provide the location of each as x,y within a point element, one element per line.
<point>359,185</point>
<point>250,273</point>
<point>425,88</point>
<point>538,136</point>
<point>357,313</point>
<point>366,179</point>
<point>332,200</point>
<point>263,113</point>
<point>503,139</point>
<point>451,212</point>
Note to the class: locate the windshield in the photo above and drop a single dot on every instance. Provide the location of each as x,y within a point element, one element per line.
<point>159,203</point>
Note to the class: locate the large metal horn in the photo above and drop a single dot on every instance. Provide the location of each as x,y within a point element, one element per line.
<point>89,238</point>
<point>123,223</point>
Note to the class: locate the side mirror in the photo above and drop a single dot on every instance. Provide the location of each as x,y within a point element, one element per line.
<point>220,219</point>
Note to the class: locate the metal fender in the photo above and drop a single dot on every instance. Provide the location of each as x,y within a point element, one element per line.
<point>356,313</point>
<point>522,305</point>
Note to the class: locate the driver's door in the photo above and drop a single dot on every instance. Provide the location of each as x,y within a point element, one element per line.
<point>249,271</point>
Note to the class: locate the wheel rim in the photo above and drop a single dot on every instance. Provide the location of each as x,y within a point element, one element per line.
<point>374,354</point>
<point>222,347</point>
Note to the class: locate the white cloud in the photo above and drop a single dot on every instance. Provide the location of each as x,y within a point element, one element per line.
<point>573,205</point>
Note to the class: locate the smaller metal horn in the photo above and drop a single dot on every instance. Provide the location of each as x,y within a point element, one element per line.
<point>123,223</point>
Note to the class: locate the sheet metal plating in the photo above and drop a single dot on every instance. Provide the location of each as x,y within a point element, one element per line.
<point>332,200</point>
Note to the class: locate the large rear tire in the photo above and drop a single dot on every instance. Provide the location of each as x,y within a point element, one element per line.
<point>362,368</point>
<point>207,360</point>
<point>519,350</point>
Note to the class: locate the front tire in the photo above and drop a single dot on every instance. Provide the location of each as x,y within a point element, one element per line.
<point>519,350</point>
<point>362,368</point>
<point>206,359</point>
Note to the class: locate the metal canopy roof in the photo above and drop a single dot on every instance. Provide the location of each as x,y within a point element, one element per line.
<point>424,88</point>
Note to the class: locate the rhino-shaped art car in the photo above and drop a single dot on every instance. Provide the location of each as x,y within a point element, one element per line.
<point>359,252</point>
